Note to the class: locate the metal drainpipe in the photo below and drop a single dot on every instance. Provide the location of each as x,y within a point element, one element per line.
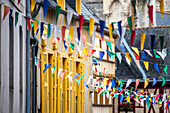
<point>34,100</point>
<point>27,59</point>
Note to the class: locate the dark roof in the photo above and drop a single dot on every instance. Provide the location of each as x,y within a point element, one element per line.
<point>123,70</point>
<point>162,21</point>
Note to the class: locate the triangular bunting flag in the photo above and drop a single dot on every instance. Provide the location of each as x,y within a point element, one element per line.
<point>152,41</point>
<point>144,55</point>
<point>72,46</point>
<point>69,16</point>
<point>46,67</point>
<point>71,33</point>
<point>6,11</point>
<point>108,52</point>
<point>154,81</point>
<point>133,37</point>
<point>163,80</point>
<point>91,26</point>
<point>63,32</point>
<point>41,29</point>
<point>137,83</point>
<point>137,63</point>
<point>156,67</point>
<point>136,50</point>
<point>102,25</point>
<point>149,53</point>
<point>16,18</point>
<point>128,83</point>
<point>161,42</point>
<point>110,31</point>
<point>120,28</point>
<point>101,55</point>
<point>146,82</point>
<point>45,7</point>
<point>81,18</point>
<point>129,19</point>
<point>146,65</point>
<point>109,44</point>
<point>58,10</point>
<point>150,12</point>
<point>165,68</point>
<point>118,54</point>
<point>33,2</point>
<point>142,41</point>
<point>161,2</point>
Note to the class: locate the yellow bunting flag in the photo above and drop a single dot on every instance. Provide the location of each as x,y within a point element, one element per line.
<point>146,82</point>
<point>142,41</point>
<point>128,99</point>
<point>104,82</point>
<point>91,26</point>
<point>110,31</point>
<point>66,34</point>
<point>69,74</point>
<point>146,65</point>
<point>136,50</point>
<point>33,2</point>
<point>36,22</point>
<point>71,32</point>
<point>127,55</point>
<point>162,7</point>
<point>85,51</point>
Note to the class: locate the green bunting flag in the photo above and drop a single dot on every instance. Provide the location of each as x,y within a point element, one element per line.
<point>16,18</point>
<point>87,28</point>
<point>129,19</point>
<point>72,46</point>
<point>161,42</point>
<point>58,10</point>
<point>121,83</point>
<point>49,31</point>
<point>104,92</point>
<point>165,68</point>
<point>156,56</point>
<point>112,54</point>
<point>163,80</point>
<point>100,75</point>
<point>109,44</point>
<point>53,71</point>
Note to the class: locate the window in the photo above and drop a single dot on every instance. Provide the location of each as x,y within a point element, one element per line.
<point>11,54</point>
<point>21,58</point>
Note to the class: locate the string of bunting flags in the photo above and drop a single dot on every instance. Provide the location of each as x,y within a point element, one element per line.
<point>114,88</point>
<point>104,86</point>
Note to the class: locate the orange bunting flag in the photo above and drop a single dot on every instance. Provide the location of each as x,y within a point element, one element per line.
<point>162,7</point>
<point>127,55</point>
<point>142,41</point>
<point>110,31</point>
<point>146,82</point>
<point>91,26</point>
<point>6,11</point>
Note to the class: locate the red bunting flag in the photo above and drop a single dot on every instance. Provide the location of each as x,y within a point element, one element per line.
<point>150,12</point>
<point>136,55</point>
<point>6,11</point>
<point>133,37</point>
<point>29,25</point>
<point>63,32</point>
<point>81,17</point>
<point>19,1</point>
<point>91,52</point>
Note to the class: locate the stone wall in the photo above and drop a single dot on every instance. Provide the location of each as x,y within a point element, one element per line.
<point>97,7</point>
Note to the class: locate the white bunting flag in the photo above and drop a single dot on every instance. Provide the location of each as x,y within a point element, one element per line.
<point>142,102</point>
<point>69,17</point>
<point>118,54</point>
<point>164,97</point>
<point>123,34</point>
<point>128,83</point>
<point>70,78</point>
<point>59,72</point>
<point>127,60</point>
<point>140,18</point>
